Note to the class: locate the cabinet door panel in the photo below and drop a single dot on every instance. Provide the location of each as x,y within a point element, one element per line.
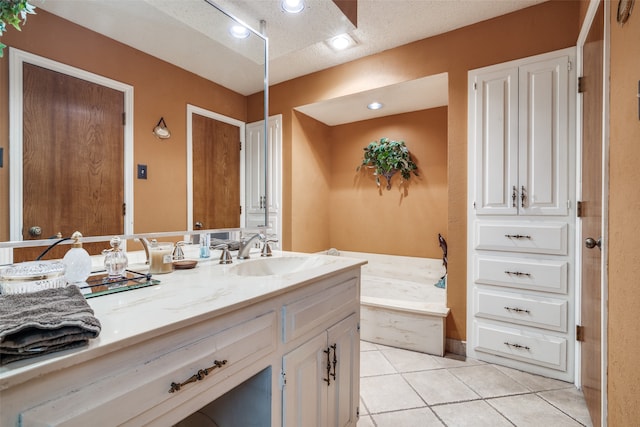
<point>345,389</point>
<point>544,137</point>
<point>496,141</point>
<point>304,397</point>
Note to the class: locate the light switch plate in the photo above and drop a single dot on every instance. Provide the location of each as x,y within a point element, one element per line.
<point>142,171</point>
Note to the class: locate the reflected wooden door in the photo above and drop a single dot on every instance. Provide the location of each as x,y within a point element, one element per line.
<point>216,173</point>
<point>591,222</point>
<point>73,158</point>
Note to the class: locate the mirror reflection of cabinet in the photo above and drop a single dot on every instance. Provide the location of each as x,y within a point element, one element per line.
<point>263,172</point>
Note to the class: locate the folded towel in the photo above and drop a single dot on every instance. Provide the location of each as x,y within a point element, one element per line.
<point>36,323</point>
<point>233,245</point>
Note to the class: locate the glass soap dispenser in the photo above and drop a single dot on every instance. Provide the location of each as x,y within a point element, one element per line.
<point>77,261</point>
<point>115,260</point>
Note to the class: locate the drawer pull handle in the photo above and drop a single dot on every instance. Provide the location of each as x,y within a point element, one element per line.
<point>198,376</point>
<point>517,346</point>
<point>517,273</point>
<point>517,310</point>
<point>517,236</point>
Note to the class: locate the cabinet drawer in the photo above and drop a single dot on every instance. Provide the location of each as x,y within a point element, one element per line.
<point>544,313</point>
<point>303,315</point>
<point>540,349</point>
<point>548,238</point>
<point>137,386</point>
<point>543,275</point>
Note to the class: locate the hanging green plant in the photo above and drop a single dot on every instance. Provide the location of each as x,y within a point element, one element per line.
<point>14,13</point>
<point>387,157</point>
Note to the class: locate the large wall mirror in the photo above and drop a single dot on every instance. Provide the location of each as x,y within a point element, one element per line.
<point>149,60</point>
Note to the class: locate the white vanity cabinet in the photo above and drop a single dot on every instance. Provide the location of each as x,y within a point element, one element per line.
<point>320,378</point>
<point>521,223</point>
<point>168,351</point>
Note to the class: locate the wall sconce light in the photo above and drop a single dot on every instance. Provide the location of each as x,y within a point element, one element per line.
<point>161,131</point>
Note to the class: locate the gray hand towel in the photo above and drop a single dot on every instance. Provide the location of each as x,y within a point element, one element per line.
<point>36,323</point>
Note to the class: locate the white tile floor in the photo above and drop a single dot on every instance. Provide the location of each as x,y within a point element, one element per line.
<point>401,388</point>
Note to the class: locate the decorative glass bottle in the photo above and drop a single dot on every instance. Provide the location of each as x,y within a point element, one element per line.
<point>77,261</point>
<point>115,260</point>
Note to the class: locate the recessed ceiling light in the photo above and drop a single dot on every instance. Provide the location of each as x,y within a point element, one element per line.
<point>293,6</point>
<point>375,106</point>
<point>341,42</point>
<point>239,31</point>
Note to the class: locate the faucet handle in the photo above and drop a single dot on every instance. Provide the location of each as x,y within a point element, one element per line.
<point>266,248</point>
<point>225,256</point>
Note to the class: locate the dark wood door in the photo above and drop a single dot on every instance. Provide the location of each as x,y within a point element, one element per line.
<point>592,215</point>
<point>73,158</point>
<point>216,173</point>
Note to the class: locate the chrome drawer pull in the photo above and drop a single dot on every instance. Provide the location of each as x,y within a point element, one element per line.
<point>518,346</point>
<point>517,310</point>
<point>517,273</point>
<point>200,375</point>
<point>517,236</point>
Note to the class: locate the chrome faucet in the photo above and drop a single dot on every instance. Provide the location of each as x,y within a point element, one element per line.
<point>245,245</point>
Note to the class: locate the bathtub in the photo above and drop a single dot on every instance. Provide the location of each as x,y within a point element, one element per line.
<point>400,304</point>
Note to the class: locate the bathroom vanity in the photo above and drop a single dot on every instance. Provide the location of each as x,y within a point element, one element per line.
<point>203,335</point>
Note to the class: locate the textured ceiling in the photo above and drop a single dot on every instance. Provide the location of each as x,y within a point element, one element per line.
<point>191,34</point>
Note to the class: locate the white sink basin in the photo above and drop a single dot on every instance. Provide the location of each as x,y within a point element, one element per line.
<point>278,266</point>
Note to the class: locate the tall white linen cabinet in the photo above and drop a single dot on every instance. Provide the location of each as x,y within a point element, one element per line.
<point>521,214</point>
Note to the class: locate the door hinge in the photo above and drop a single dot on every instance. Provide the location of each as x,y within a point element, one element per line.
<point>579,333</point>
<point>240,145</point>
<point>124,119</point>
<point>569,65</point>
<point>124,209</point>
<point>358,327</point>
<point>283,380</point>
<point>580,84</point>
<point>579,209</point>
<point>475,86</point>
<point>357,412</point>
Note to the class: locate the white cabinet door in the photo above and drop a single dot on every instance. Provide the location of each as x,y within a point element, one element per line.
<point>322,377</point>
<point>544,137</point>
<point>264,191</point>
<point>520,121</point>
<point>495,124</point>
<point>304,396</point>
<point>344,392</point>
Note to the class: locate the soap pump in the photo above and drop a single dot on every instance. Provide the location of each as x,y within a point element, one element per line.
<point>115,260</point>
<point>77,261</point>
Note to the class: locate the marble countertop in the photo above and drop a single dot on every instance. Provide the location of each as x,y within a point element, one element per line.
<point>182,297</point>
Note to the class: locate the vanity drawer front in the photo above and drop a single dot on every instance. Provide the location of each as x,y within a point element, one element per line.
<point>544,313</point>
<point>137,386</point>
<point>299,317</point>
<point>548,238</point>
<point>540,349</point>
<point>543,275</point>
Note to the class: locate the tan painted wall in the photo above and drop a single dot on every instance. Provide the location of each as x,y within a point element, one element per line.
<point>405,220</point>
<point>546,27</point>
<point>160,89</point>
<point>624,222</point>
